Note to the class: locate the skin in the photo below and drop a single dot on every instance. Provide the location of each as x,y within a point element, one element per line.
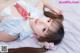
<point>43,23</point>
<point>6,37</point>
<point>39,25</point>
<point>40,3</point>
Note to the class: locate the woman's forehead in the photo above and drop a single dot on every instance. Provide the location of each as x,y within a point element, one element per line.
<point>54,26</point>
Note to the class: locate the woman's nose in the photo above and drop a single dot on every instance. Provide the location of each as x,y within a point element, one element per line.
<point>43,21</point>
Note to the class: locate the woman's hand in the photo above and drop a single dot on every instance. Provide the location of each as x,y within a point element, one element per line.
<point>6,37</point>
<point>53,8</point>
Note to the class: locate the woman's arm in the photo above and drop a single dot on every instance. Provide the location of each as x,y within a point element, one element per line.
<point>51,7</point>
<point>6,37</point>
<point>53,12</point>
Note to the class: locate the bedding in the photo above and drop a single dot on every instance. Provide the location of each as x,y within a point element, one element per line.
<point>71,41</point>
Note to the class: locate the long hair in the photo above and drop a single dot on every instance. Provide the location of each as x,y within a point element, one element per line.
<point>55,37</point>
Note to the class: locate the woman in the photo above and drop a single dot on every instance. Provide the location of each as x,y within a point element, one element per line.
<point>56,16</point>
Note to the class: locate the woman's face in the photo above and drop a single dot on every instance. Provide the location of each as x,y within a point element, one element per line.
<point>40,26</point>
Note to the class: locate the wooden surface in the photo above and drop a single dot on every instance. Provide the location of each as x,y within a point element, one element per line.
<point>26,50</point>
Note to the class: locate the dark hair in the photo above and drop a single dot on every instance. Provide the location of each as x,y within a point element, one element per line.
<point>57,36</point>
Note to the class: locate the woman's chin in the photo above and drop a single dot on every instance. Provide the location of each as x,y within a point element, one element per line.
<point>32,23</point>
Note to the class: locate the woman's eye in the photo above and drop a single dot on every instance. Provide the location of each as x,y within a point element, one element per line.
<point>49,20</point>
<point>44,29</point>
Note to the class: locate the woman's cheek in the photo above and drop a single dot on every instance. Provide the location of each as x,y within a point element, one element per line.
<point>36,29</point>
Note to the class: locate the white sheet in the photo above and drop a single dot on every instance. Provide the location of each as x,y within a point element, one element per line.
<point>71,41</point>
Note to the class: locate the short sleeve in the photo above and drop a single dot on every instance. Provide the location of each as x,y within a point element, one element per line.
<point>26,30</point>
<point>11,27</point>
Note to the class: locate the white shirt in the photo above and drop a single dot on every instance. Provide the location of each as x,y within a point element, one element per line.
<point>13,26</point>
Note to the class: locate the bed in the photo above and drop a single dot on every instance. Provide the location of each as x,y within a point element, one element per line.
<point>71,41</point>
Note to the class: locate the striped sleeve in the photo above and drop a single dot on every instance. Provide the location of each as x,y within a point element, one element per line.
<point>11,27</point>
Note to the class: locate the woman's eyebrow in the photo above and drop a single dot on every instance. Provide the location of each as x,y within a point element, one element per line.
<point>52,22</point>
<point>50,19</point>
